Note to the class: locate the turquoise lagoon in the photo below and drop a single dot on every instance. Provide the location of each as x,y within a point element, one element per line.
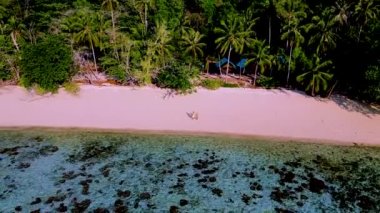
<point>84,171</point>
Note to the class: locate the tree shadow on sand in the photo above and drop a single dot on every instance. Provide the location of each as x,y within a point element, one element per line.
<point>343,102</point>
<point>169,93</point>
<point>354,106</point>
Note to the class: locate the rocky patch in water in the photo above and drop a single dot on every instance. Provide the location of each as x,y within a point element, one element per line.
<point>94,150</point>
<point>357,186</point>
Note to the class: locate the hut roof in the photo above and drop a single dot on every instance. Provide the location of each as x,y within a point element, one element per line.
<point>242,63</point>
<point>222,62</point>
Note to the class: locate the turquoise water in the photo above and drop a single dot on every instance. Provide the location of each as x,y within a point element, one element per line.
<point>52,171</point>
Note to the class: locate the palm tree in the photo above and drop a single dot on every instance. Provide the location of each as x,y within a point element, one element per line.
<point>271,12</point>
<point>365,10</point>
<point>294,38</point>
<point>341,11</point>
<point>124,44</point>
<point>88,34</point>
<point>111,5</point>
<point>293,11</point>
<point>268,9</point>
<point>8,59</point>
<point>143,7</point>
<point>261,57</point>
<point>195,20</point>
<point>161,46</point>
<point>318,76</point>
<point>324,34</point>
<point>191,39</point>
<point>147,66</point>
<point>16,27</point>
<point>233,36</point>
<point>69,25</point>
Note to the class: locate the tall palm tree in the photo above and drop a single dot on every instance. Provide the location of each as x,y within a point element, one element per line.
<point>191,39</point>
<point>271,13</point>
<point>365,10</point>
<point>111,5</point>
<point>161,45</point>
<point>293,12</point>
<point>124,44</point>
<point>266,9</point>
<point>16,28</point>
<point>87,34</point>
<point>232,36</point>
<point>294,38</point>
<point>317,77</point>
<point>261,57</point>
<point>324,34</point>
<point>143,8</point>
<point>69,25</point>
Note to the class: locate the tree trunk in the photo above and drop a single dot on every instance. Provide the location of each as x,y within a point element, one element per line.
<point>360,32</point>
<point>254,80</point>
<point>127,62</point>
<point>332,89</point>
<point>190,66</point>
<point>113,26</point>
<point>207,66</point>
<point>146,18</point>
<point>14,40</point>
<point>270,31</point>
<point>271,71</point>
<point>93,56</point>
<point>220,67</point>
<point>313,88</point>
<point>290,60</point>
<point>228,62</point>
<point>14,68</point>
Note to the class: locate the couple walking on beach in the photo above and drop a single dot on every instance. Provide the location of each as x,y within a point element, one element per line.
<point>193,115</point>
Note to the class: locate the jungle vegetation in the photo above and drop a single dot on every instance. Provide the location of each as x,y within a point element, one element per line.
<point>316,46</point>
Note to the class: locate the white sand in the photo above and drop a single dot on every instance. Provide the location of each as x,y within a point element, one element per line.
<point>273,113</point>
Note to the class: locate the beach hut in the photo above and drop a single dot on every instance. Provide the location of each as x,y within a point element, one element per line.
<point>241,65</point>
<point>223,64</point>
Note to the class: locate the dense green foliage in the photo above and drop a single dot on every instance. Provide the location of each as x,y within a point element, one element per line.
<point>372,90</point>
<point>212,84</point>
<point>175,77</point>
<point>317,46</point>
<point>46,63</point>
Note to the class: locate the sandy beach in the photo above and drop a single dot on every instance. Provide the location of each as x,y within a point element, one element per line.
<point>256,112</point>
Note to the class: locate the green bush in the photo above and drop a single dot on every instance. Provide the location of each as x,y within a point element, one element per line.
<point>176,77</point>
<point>266,82</point>
<point>212,84</point>
<point>230,85</point>
<point>71,88</point>
<point>117,72</point>
<point>113,68</point>
<point>5,74</point>
<point>372,77</point>
<point>47,63</point>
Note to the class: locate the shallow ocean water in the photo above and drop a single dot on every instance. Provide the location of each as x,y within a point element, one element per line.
<point>82,171</point>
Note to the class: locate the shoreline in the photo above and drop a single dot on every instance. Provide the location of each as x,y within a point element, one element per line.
<point>279,115</point>
<point>143,132</point>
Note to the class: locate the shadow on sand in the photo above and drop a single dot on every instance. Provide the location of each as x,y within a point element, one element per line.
<point>354,106</point>
<point>343,102</point>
